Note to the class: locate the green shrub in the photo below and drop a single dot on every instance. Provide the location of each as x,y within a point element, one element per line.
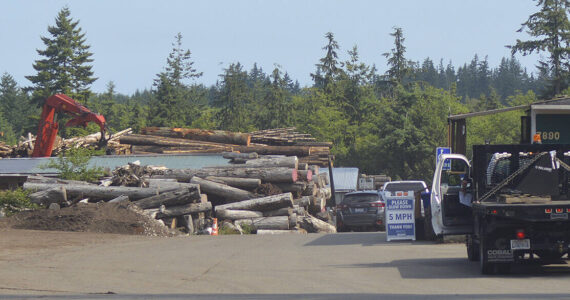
<point>12,201</point>
<point>74,165</point>
<point>247,229</point>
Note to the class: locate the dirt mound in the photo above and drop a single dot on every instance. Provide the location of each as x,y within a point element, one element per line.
<point>92,217</point>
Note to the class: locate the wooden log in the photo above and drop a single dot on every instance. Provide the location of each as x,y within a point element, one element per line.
<point>299,210</point>
<point>227,193</point>
<point>314,225</point>
<point>190,208</point>
<point>315,169</point>
<point>292,220</point>
<point>50,180</point>
<point>97,192</point>
<point>285,211</point>
<point>52,195</point>
<point>286,162</point>
<point>286,175</point>
<point>174,198</point>
<point>122,198</point>
<point>234,155</point>
<point>272,150</point>
<point>228,214</point>
<point>296,188</point>
<point>147,140</point>
<point>310,190</point>
<point>305,175</point>
<point>261,204</point>
<point>271,232</point>
<point>318,204</point>
<point>240,183</point>
<point>218,136</point>
<point>188,223</point>
<point>279,222</point>
<point>304,201</point>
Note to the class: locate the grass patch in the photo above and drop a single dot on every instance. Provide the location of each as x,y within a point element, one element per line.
<point>13,201</point>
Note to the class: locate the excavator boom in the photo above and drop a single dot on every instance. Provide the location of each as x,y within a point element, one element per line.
<point>48,127</point>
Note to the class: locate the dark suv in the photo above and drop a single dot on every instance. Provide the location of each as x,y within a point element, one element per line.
<point>360,210</point>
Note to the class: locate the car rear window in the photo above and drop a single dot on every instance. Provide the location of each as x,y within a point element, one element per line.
<point>361,198</point>
<point>404,186</point>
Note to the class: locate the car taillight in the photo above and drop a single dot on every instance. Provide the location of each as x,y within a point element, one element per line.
<point>559,210</point>
<point>520,234</point>
<point>377,204</point>
<point>548,210</point>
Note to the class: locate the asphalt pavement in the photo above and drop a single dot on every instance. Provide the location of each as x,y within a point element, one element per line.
<point>314,266</point>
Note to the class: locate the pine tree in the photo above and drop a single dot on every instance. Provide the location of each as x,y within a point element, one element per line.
<point>328,66</point>
<point>551,28</point>
<point>170,105</point>
<point>399,67</point>
<point>15,106</point>
<point>65,67</point>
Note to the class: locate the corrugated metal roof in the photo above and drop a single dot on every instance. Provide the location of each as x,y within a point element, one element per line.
<point>32,165</point>
<point>345,179</point>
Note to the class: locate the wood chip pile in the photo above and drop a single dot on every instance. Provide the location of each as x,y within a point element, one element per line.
<point>262,194</point>
<point>282,141</point>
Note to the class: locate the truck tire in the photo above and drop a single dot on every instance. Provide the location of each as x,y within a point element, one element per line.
<point>429,234</point>
<point>485,266</point>
<point>420,232</point>
<point>473,253</point>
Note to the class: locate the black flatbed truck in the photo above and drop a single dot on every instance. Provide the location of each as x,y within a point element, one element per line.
<point>512,203</point>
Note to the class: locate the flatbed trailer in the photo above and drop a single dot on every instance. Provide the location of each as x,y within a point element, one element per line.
<point>516,214</point>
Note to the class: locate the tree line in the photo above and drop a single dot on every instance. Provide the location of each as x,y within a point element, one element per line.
<point>382,123</point>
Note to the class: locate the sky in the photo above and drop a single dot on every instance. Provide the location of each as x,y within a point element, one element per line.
<point>130,40</point>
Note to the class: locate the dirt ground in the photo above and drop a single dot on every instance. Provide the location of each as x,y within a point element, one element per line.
<point>91,217</point>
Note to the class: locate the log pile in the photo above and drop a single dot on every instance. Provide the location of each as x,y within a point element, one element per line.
<point>25,146</point>
<point>188,199</point>
<point>284,141</point>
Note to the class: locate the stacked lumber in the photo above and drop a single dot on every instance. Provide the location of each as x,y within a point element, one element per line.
<point>284,141</point>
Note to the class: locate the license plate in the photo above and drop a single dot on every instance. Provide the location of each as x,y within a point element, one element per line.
<point>520,244</point>
<point>562,216</point>
<point>359,210</point>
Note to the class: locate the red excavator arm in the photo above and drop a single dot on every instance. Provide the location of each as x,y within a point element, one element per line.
<point>47,130</point>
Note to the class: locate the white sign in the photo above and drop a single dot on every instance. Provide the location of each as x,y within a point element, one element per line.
<point>366,183</point>
<point>400,220</point>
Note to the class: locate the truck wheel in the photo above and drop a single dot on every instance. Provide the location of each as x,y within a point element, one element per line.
<point>472,248</point>
<point>420,232</point>
<point>486,267</point>
<point>429,235</point>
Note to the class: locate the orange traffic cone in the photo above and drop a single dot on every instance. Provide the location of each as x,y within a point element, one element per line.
<point>215,227</point>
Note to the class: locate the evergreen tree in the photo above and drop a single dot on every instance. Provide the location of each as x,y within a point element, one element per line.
<point>170,105</point>
<point>551,28</point>
<point>233,99</point>
<point>65,67</point>
<point>328,66</point>
<point>15,106</point>
<point>399,67</point>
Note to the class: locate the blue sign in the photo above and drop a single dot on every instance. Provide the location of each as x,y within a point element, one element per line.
<point>400,220</point>
<point>443,150</point>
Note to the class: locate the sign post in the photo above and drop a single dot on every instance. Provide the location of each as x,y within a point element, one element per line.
<point>400,220</point>
<point>443,150</point>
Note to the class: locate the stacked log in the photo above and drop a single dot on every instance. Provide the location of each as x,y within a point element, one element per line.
<point>25,145</point>
<point>285,141</point>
